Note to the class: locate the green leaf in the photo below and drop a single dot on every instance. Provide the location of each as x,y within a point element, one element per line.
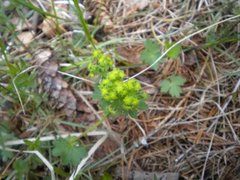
<point>69,151</point>
<point>172,85</point>
<point>211,37</point>
<point>150,54</point>
<point>33,145</point>
<point>21,167</point>
<point>97,93</point>
<point>5,155</point>
<point>174,52</point>
<point>5,133</point>
<point>13,69</point>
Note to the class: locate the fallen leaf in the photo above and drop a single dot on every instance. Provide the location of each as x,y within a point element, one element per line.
<point>135,5</point>
<point>50,28</point>
<point>131,54</point>
<point>26,37</point>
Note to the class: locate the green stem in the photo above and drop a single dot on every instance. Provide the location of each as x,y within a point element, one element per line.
<point>83,23</point>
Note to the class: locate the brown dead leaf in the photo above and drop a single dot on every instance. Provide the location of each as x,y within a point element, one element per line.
<point>26,37</point>
<point>135,5</point>
<point>131,54</point>
<point>190,58</point>
<point>101,15</point>
<point>50,28</point>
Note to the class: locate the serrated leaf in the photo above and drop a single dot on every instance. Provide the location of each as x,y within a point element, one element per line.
<point>21,167</point>
<point>174,52</point>
<point>175,91</point>
<point>5,133</point>
<point>5,155</point>
<point>150,54</point>
<point>69,151</point>
<point>172,85</point>
<point>165,86</point>
<point>178,80</point>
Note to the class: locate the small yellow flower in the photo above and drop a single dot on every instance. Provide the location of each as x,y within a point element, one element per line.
<point>133,85</point>
<point>119,88</point>
<point>104,91</point>
<point>127,100</point>
<point>121,74</point>
<point>102,61</point>
<point>105,82</point>
<point>124,92</point>
<point>137,86</point>
<point>97,54</point>
<point>109,61</point>
<point>115,74</point>
<point>135,102</point>
<point>111,76</point>
<point>113,95</point>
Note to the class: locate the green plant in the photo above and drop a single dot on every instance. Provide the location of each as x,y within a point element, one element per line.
<point>5,135</point>
<point>69,150</point>
<point>173,85</point>
<point>150,53</point>
<point>116,96</point>
<point>19,79</point>
<point>100,65</point>
<point>21,167</point>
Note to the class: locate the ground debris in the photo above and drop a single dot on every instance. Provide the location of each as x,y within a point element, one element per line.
<point>50,81</point>
<point>99,11</point>
<point>141,175</point>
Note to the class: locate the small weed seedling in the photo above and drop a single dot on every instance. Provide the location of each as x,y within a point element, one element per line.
<point>69,150</point>
<point>172,85</point>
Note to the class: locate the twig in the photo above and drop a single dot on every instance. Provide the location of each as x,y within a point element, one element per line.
<point>90,153</point>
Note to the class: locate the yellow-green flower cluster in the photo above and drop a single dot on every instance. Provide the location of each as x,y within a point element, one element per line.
<point>102,64</point>
<point>120,96</point>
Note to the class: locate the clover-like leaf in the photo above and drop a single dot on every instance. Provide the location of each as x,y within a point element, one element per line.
<point>69,150</point>
<point>150,54</point>
<point>172,85</point>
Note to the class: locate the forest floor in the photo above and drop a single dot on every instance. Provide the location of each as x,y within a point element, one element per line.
<point>55,122</point>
